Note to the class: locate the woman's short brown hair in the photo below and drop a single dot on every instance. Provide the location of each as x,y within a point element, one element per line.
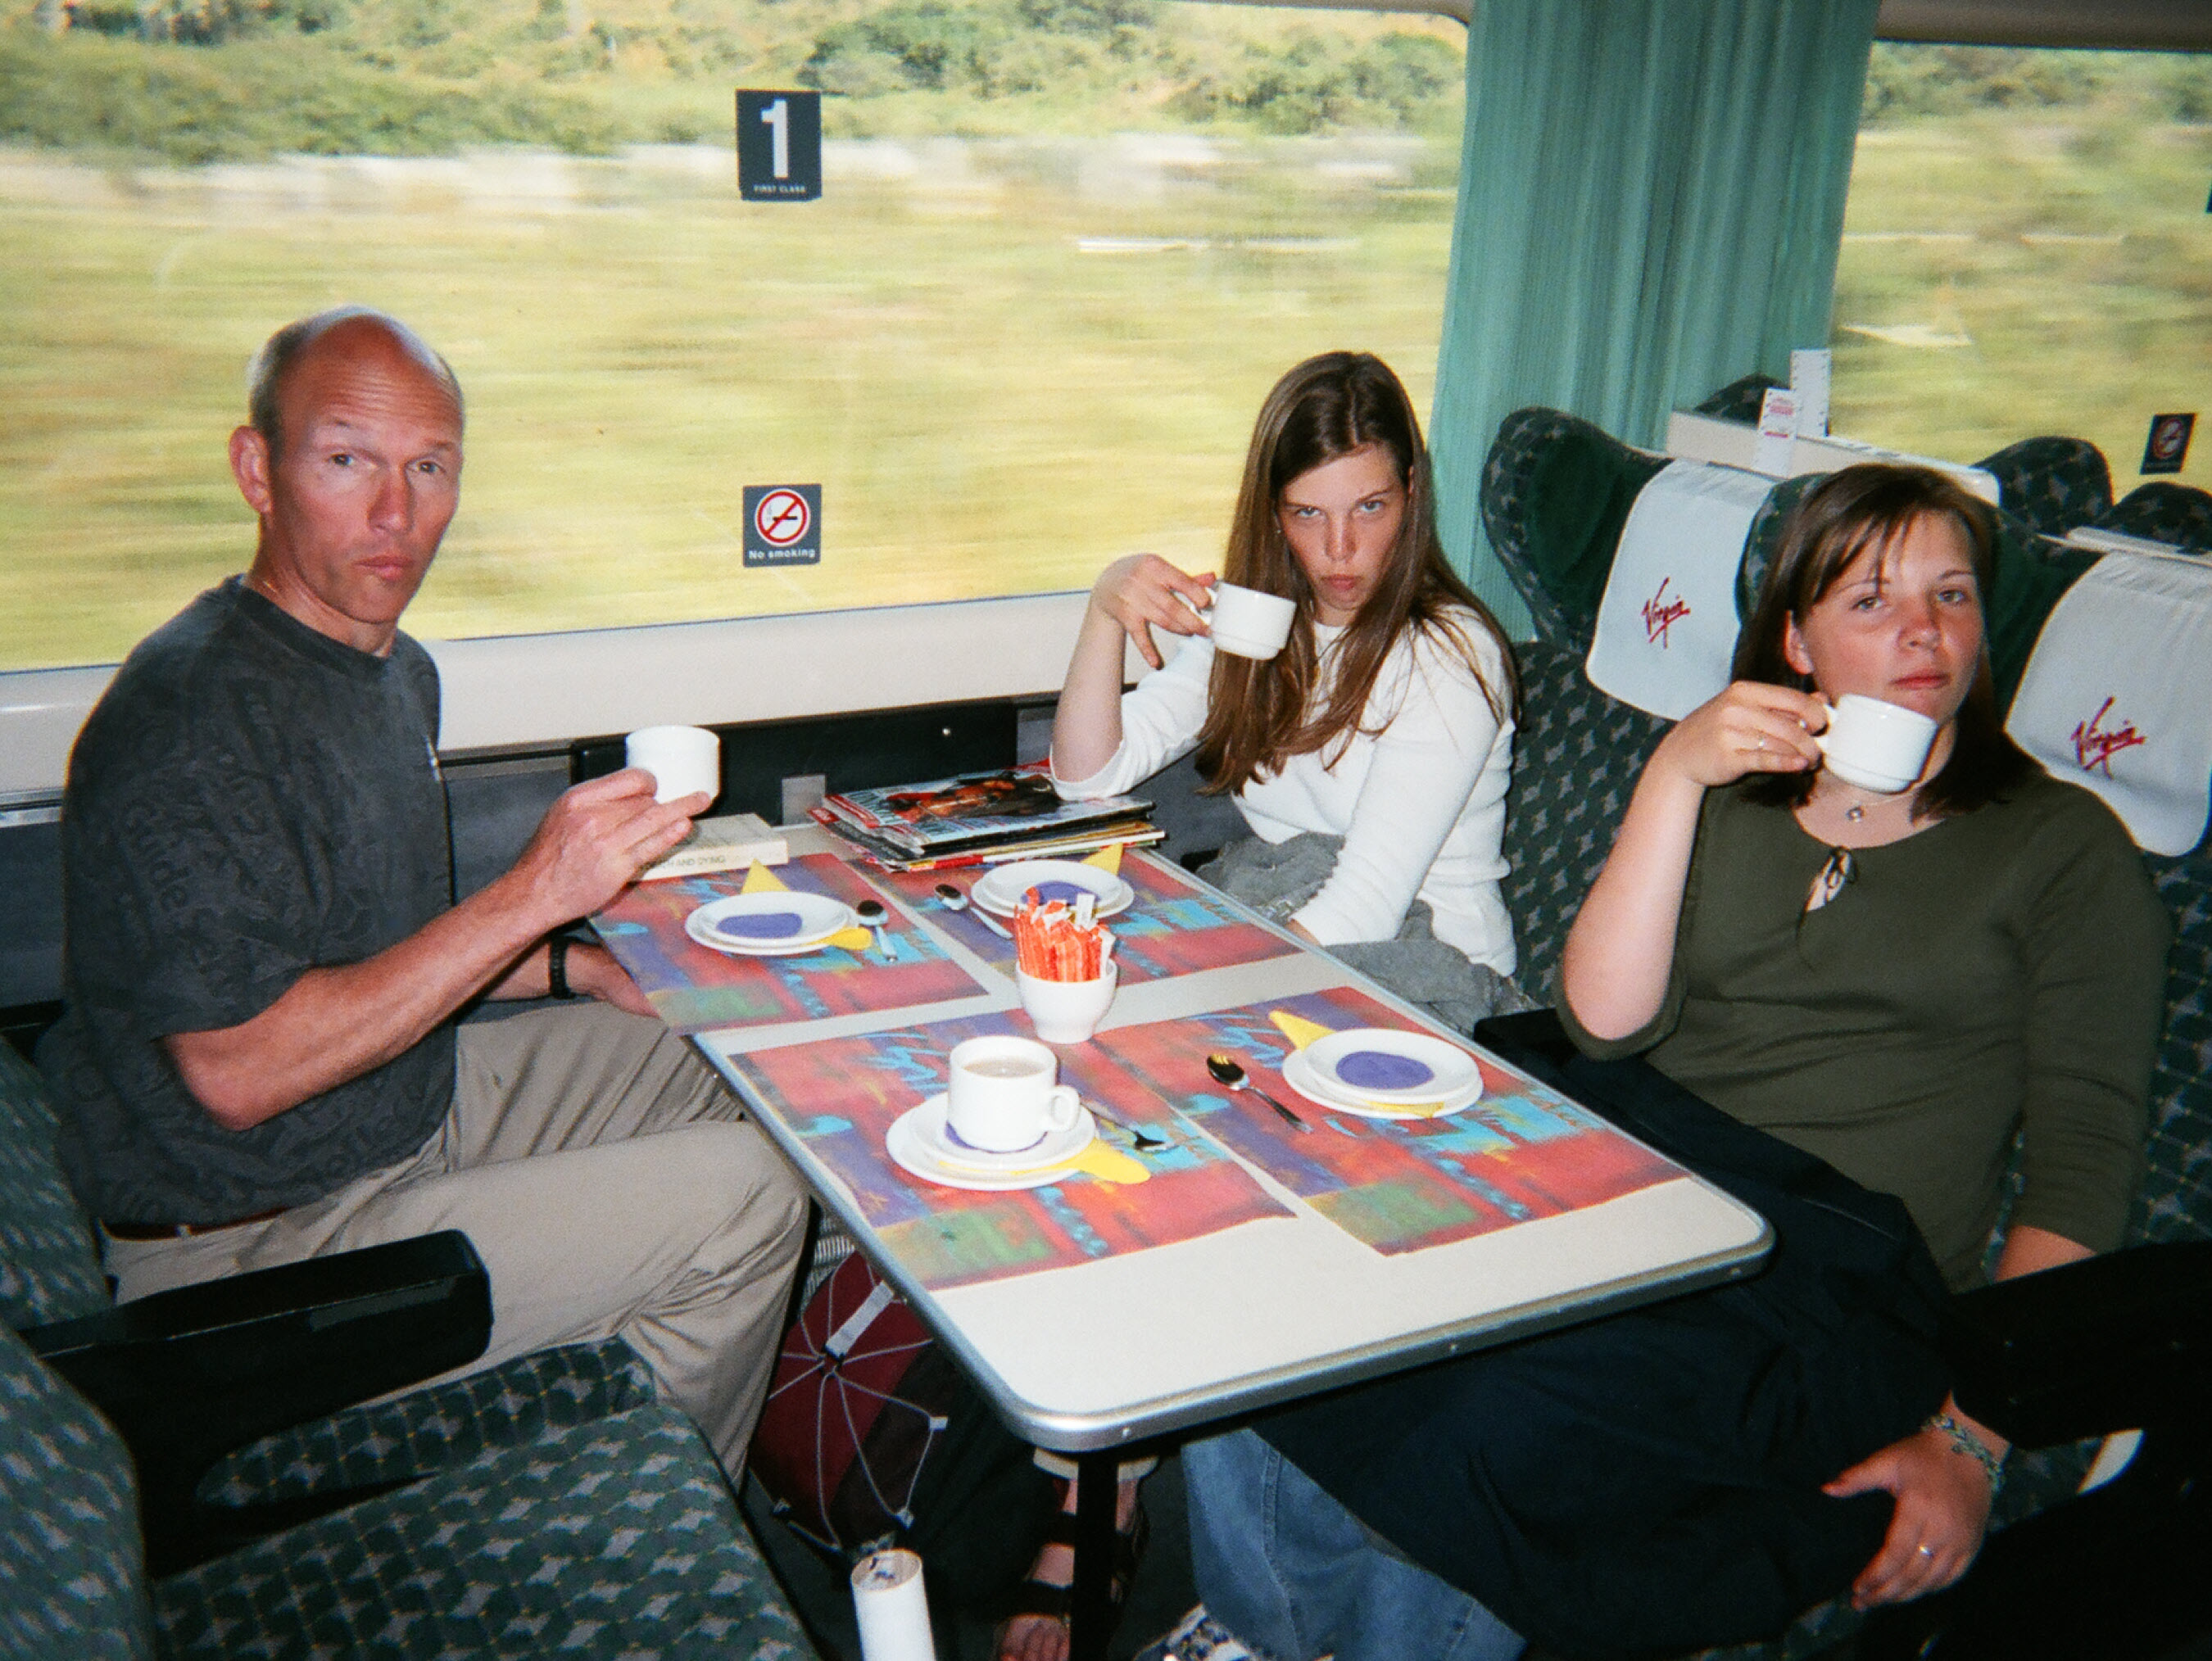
<point>1860,513</point>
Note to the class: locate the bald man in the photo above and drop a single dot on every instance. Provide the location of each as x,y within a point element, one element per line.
<point>259,1058</point>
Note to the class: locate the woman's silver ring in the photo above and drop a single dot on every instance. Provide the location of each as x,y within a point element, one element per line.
<point>1927,1551</point>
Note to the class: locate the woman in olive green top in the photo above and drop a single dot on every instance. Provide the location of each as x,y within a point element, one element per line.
<point>1898,984</point>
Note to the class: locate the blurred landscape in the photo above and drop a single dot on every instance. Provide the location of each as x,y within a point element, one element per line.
<point>2027,251</point>
<point>1065,247</point>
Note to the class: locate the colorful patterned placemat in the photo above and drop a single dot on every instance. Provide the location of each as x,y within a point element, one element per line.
<point>842,1095</point>
<point>693,989</point>
<point>1521,1153</point>
<point>1176,925</point>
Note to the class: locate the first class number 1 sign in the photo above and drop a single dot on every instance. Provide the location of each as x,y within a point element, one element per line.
<point>778,146</point>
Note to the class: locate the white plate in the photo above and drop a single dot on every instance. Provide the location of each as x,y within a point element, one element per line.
<point>730,948</point>
<point>777,923</point>
<point>917,1143</point>
<point>807,950</point>
<point>999,890</point>
<point>1384,1064</point>
<point>1298,1073</point>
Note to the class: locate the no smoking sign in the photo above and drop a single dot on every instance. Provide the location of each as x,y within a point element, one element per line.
<point>783,524</point>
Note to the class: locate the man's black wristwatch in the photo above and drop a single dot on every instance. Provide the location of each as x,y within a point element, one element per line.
<point>557,968</point>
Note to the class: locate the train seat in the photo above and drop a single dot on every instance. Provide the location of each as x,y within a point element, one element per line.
<point>1556,492</point>
<point>548,1504</point>
<point>2164,512</point>
<point>2054,483</point>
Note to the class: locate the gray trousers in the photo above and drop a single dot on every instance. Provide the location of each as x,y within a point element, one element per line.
<point>612,1187</point>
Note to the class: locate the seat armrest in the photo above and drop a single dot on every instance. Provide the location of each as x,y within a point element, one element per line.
<point>188,1375</point>
<point>2112,1342</point>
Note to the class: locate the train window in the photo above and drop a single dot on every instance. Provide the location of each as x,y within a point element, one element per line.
<point>1063,248</point>
<point>2024,250</point>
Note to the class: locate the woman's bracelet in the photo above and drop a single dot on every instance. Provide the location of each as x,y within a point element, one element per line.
<point>1964,1441</point>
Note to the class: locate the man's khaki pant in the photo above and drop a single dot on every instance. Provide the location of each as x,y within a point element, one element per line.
<point>611,1184</point>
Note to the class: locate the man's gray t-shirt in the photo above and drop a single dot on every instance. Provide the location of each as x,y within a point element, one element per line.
<point>250,800</point>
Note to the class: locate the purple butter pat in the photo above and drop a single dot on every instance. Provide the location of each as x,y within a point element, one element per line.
<point>758,925</point>
<point>1381,1069</point>
<point>1056,890</point>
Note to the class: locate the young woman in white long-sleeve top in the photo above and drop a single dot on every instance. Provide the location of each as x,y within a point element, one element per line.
<point>1387,720</point>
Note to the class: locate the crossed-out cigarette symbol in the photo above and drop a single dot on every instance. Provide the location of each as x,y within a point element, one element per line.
<point>781,518</point>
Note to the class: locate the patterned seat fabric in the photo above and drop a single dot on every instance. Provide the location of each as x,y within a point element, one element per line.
<point>1575,758</point>
<point>436,1427</point>
<point>615,1537</point>
<point>1555,493</point>
<point>2176,1201</point>
<point>2053,483</point>
<point>71,1581</point>
<point>49,1267</point>
<point>2165,513</point>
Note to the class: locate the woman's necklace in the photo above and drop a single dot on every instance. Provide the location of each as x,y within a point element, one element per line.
<point>1855,808</point>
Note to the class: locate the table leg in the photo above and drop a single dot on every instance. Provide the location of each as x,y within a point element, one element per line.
<point>1091,1614</point>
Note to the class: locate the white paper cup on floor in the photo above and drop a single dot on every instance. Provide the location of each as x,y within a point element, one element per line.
<point>1066,1011</point>
<point>892,1608</point>
<point>1876,746</point>
<point>682,760</point>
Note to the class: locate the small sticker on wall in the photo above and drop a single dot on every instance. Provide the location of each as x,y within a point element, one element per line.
<point>778,146</point>
<point>2167,447</point>
<point>783,524</point>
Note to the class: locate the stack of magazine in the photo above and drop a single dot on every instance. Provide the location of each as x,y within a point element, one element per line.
<point>981,818</point>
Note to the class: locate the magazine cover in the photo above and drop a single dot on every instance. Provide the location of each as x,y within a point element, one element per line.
<point>945,815</point>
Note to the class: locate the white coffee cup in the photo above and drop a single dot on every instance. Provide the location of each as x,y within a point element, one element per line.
<point>1245,622</point>
<point>1067,1011</point>
<point>1876,746</point>
<point>682,760</point>
<point>1000,1094</point>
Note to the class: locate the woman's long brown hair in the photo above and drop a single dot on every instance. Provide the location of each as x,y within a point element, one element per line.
<point>1256,712</point>
<point>1861,513</point>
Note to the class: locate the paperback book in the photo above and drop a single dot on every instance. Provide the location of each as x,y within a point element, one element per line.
<point>727,843</point>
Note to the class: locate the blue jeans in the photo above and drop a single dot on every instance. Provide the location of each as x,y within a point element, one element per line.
<point>1292,1573</point>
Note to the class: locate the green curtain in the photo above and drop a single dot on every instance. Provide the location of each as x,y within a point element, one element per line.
<point>1651,197</point>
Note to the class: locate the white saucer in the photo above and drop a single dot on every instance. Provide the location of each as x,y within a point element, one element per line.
<point>701,937</point>
<point>792,921</point>
<point>917,1143</point>
<point>999,890</point>
<point>1385,1064</point>
<point>1299,1074</point>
